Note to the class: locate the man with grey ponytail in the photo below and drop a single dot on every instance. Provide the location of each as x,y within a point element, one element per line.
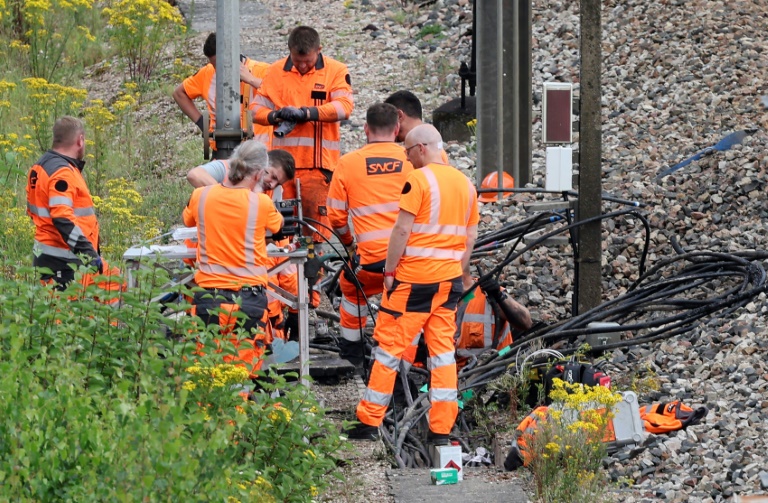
<point>231,222</point>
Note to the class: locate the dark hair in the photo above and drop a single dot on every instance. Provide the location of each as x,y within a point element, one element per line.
<point>304,40</point>
<point>407,102</point>
<point>381,118</point>
<point>248,158</point>
<point>284,160</point>
<point>209,47</point>
<point>66,130</point>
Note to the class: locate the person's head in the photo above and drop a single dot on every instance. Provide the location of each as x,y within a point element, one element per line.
<point>248,162</point>
<point>409,111</point>
<point>209,48</point>
<point>381,122</point>
<point>282,167</point>
<point>423,145</point>
<point>69,137</point>
<point>304,46</point>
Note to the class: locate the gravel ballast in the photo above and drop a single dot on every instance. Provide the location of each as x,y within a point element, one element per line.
<point>677,77</point>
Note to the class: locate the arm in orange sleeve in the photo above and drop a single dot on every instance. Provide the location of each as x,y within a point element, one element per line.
<point>61,196</point>
<point>338,207</point>
<point>274,218</point>
<point>340,104</point>
<point>189,90</point>
<point>262,105</point>
<point>190,211</point>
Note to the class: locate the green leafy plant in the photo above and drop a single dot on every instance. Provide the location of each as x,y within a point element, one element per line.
<point>564,455</point>
<point>98,404</point>
<point>45,33</point>
<point>430,29</point>
<point>140,30</point>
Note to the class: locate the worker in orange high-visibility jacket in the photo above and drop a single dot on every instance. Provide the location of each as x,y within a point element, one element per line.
<point>409,114</point>
<point>60,205</point>
<point>478,312</point>
<point>430,246</point>
<point>203,85</point>
<point>281,170</point>
<point>314,92</point>
<point>366,188</point>
<point>232,221</point>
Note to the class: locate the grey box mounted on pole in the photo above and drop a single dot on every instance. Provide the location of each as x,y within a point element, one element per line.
<point>556,109</point>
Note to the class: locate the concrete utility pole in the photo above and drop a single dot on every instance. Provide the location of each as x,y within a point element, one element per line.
<point>589,283</point>
<point>524,91</point>
<point>228,133</point>
<point>504,98</point>
<point>489,88</point>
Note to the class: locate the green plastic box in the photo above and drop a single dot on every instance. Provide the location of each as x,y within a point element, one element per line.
<point>444,476</point>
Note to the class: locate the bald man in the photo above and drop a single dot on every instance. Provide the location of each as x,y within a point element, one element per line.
<point>429,248</point>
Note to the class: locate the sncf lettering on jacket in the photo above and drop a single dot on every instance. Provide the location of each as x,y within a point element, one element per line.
<point>383,165</point>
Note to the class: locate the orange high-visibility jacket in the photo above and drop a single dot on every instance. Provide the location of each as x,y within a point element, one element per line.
<point>327,90</point>
<point>231,228</point>
<point>203,85</point>
<point>445,204</point>
<point>61,207</point>
<point>478,325</point>
<point>366,185</point>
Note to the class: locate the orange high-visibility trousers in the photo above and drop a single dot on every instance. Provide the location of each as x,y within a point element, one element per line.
<point>404,311</point>
<point>353,310</point>
<point>217,307</point>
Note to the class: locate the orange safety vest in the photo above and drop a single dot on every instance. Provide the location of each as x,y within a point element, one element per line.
<point>231,228</point>
<point>374,211</point>
<point>326,88</point>
<point>60,205</point>
<point>444,202</point>
<point>203,85</point>
<point>478,325</point>
<point>670,416</point>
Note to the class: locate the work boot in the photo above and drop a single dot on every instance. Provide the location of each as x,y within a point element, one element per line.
<point>361,431</point>
<point>438,438</point>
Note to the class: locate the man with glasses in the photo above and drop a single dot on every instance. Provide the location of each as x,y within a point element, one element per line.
<point>429,248</point>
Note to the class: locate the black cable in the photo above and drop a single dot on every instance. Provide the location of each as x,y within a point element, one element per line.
<point>358,286</point>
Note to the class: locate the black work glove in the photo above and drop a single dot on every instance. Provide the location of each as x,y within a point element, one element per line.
<point>310,113</point>
<point>291,114</point>
<point>490,285</point>
<point>199,123</point>
<point>98,264</point>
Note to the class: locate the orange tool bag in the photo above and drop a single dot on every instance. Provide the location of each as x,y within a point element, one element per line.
<point>670,416</point>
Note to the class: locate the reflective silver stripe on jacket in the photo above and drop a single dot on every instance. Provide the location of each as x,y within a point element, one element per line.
<point>336,204</point>
<point>374,235</point>
<point>60,201</point>
<point>340,93</point>
<point>264,102</point>
<point>39,211</point>
<point>75,236</point>
<point>437,253</point>
<point>434,194</point>
<point>249,269</point>
<point>39,248</point>
<point>453,230</point>
<point>304,141</point>
<point>84,212</point>
<point>375,209</point>
<point>341,113</point>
